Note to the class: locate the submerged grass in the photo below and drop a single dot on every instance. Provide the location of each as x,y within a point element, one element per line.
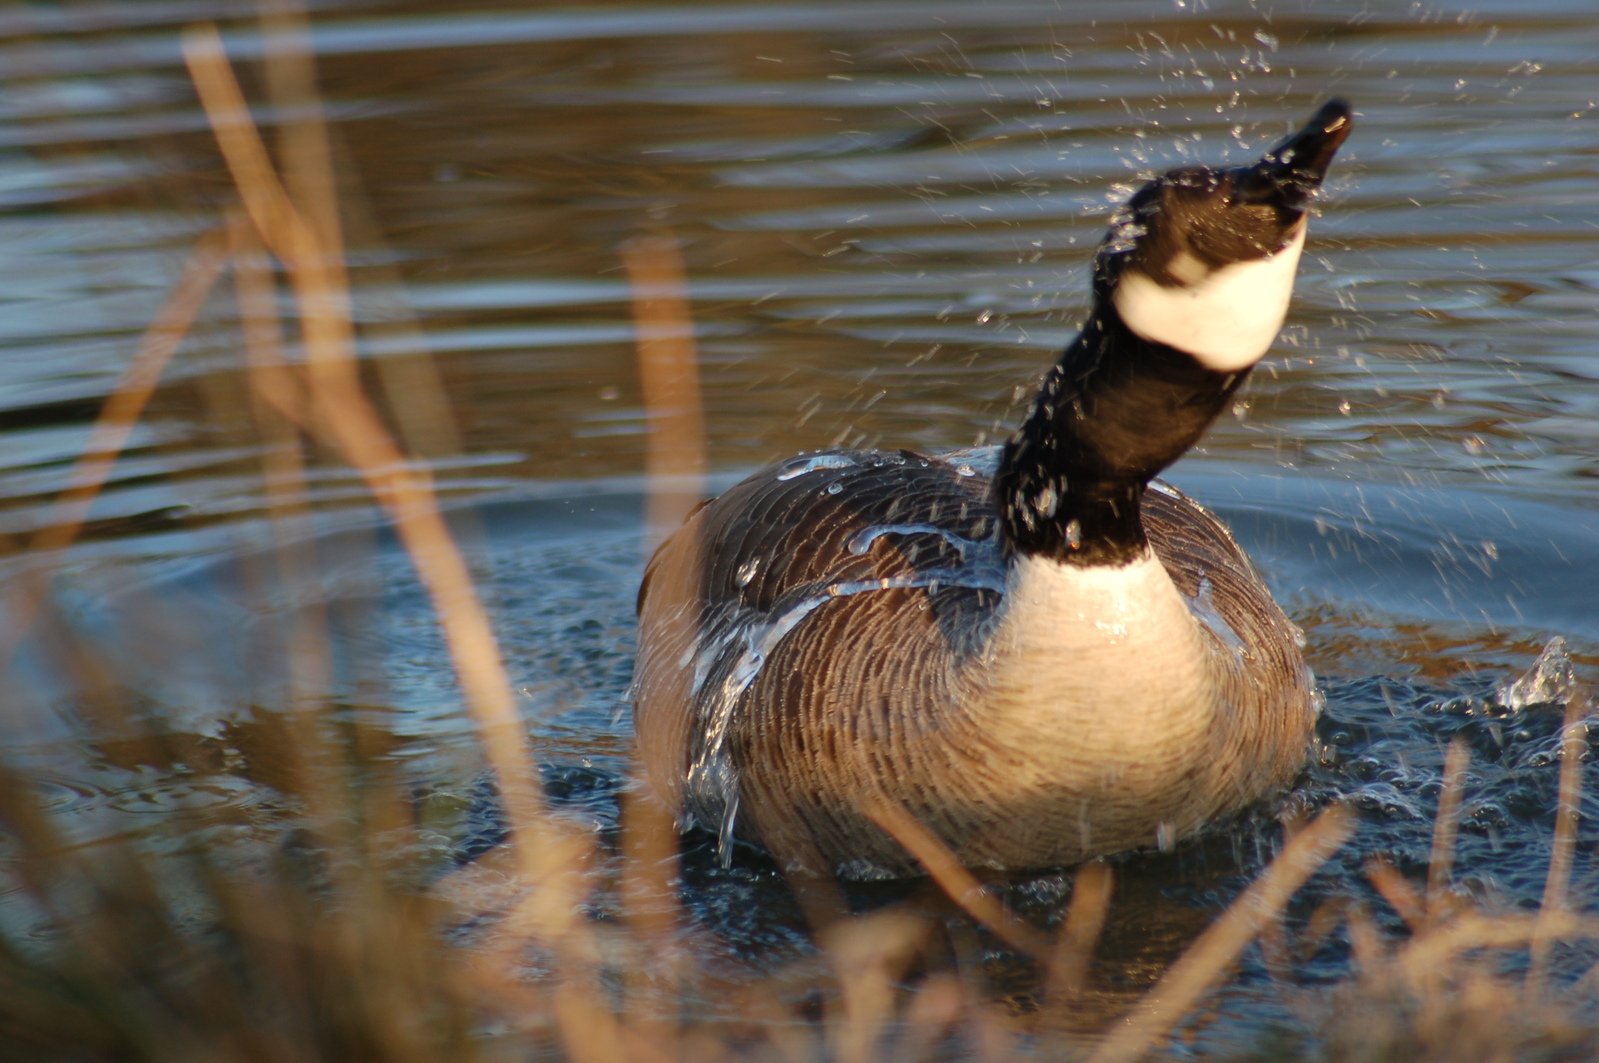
<point>328,943</point>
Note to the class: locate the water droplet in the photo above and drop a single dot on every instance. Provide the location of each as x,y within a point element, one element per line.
<point>1165,837</point>
<point>1344,407</point>
<point>834,488</point>
<point>1074,534</point>
<point>746,571</point>
<point>724,833</point>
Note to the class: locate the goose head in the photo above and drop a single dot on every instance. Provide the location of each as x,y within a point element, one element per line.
<point>1191,286</point>
<point>1203,259</point>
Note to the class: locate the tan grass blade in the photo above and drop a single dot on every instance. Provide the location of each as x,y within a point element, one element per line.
<point>121,411</point>
<point>868,955</point>
<point>1446,824</point>
<point>957,883</point>
<point>1572,740</point>
<point>411,383</point>
<point>1219,947</point>
<point>1398,892</point>
<point>344,416</point>
<point>674,461</point>
<point>1435,951</point>
<point>1085,919</point>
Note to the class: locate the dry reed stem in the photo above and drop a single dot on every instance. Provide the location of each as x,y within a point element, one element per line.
<point>674,466</point>
<point>114,424</point>
<point>959,884</point>
<point>412,386</point>
<point>274,387</point>
<point>291,84</point>
<point>346,417</point>
<point>1446,824</point>
<point>932,1013</point>
<point>279,407</point>
<point>649,905</point>
<point>601,1040</point>
<point>868,953</point>
<point>1431,952</point>
<point>1572,740</point>
<point>1399,893</point>
<point>1367,947</point>
<point>1434,1001</point>
<point>1085,919</point>
<point>1220,945</point>
<point>674,457</point>
<point>1325,921</point>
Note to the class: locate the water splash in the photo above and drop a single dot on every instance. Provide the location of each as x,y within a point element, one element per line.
<point>724,832</point>
<point>978,460</point>
<point>747,571</point>
<point>861,542</point>
<point>1203,608</point>
<point>736,642</point>
<point>812,462</point>
<point>1552,679</point>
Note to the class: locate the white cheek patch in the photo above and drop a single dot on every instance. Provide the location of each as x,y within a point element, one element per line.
<point>1226,318</point>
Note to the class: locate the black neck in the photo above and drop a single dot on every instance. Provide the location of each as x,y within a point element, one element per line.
<point>1111,414</point>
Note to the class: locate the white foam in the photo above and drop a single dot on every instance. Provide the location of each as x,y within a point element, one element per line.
<point>1226,318</point>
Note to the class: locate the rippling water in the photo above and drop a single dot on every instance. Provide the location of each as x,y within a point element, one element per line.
<point>885,210</point>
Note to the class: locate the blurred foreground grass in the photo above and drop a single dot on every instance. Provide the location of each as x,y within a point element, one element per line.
<point>331,944</point>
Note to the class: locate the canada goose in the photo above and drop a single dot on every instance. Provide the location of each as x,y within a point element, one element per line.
<point>1039,652</point>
